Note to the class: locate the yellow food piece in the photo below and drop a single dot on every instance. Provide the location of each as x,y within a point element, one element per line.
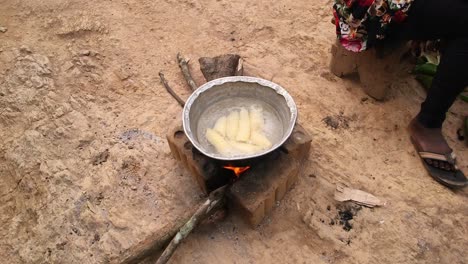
<point>256,118</point>
<point>220,126</point>
<point>245,148</point>
<point>240,132</point>
<point>243,134</point>
<point>260,140</point>
<point>232,125</point>
<point>218,141</point>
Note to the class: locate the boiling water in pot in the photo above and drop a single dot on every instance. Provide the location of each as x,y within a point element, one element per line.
<point>272,128</point>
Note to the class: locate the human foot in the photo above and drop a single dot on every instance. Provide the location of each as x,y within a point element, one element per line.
<point>430,140</point>
<point>436,155</point>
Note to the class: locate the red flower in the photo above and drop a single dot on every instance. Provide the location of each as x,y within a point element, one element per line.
<point>349,3</point>
<point>399,16</point>
<point>366,3</point>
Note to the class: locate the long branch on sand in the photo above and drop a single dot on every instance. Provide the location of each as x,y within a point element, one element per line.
<point>215,200</point>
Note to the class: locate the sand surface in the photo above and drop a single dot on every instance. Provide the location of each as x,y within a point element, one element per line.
<point>86,172</point>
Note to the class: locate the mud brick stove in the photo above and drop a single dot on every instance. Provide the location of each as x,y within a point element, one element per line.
<point>252,186</point>
<point>256,184</point>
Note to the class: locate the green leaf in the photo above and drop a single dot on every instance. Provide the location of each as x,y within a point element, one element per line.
<point>425,80</point>
<point>426,68</point>
<point>464,97</point>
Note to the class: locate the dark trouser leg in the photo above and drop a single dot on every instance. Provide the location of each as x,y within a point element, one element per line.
<point>450,80</point>
<point>434,19</point>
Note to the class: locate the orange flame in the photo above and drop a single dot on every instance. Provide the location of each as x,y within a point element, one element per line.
<point>237,170</point>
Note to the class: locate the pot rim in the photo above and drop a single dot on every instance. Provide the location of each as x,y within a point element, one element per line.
<point>216,82</point>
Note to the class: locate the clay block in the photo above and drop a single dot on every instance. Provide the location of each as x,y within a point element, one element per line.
<point>269,202</point>
<point>292,178</point>
<point>256,192</point>
<point>220,66</point>
<point>377,73</point>
<point>342,61</point>
<point>281,190</point>
<point>181,151</point>
<point>299,138</point>
<point>376,68</point>
<point>208,173</point>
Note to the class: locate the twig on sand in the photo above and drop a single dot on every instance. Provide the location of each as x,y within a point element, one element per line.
<point>183,64</point>
<point>215,200</point>
<point>240,67</point>
<point>169,90</point>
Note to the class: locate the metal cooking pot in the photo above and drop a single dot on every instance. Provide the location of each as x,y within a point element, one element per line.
<point>215,99</point>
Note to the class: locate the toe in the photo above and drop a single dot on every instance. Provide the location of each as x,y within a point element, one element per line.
<point>446,167</point>
<point>442,165</point>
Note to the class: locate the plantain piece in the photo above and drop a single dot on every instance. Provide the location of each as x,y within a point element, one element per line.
<point>245,148</point>
<point>220,126</point>
<point>232,125</point>
<point>256,118</point>
<point>243,133</point>
<point>218,141</point>
<point>259,139</point>
<point>426,68</point>
<point>425,80</point>
<point>240,132</point>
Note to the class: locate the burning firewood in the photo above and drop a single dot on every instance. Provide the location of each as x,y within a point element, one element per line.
<point>212,68</point>
<point>215,200</point>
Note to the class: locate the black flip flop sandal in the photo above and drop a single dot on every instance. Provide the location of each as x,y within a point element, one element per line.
<point>450,178</point>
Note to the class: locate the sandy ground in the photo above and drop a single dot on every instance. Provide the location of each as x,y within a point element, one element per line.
<point>86,172</point>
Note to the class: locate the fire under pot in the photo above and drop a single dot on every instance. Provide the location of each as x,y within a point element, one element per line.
<point>255,185</point>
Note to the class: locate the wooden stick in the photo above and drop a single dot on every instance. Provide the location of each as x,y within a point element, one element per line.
<point>183,64</point>
<point>147,249</point>
<point>169,90</point>
<point>214,201</point>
